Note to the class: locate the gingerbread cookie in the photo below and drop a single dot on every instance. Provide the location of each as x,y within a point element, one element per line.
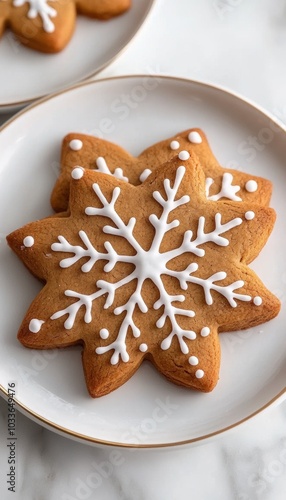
<point>102,9</point>
<point>47,25</point>
<point>98,154</point>
<point>153,271</point>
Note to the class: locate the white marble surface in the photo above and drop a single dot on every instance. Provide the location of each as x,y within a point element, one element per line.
<point>240,45</point>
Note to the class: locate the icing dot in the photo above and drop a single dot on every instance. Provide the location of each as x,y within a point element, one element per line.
<point>28,241</point>
<point>145,174</point>
<point>184,155</point>
<point>249,215</point>
<point>77,173</point>
<point>35,325</point>
<point>251,186</point>
<point>104,333</point>
<point>205,331</point>
<point>143,347</point>
<point>195,137</point>
<point>75,144</point>
<point>193,360</point>
<point>174,145</point>
<point>199,373</point>
<point>257,301</point>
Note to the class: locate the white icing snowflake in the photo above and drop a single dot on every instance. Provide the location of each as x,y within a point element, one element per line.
<point>41,8</point>
<point>227,190</point>
<point>149,264</point>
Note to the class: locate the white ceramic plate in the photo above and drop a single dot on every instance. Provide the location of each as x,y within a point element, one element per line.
<point>27,75</point>
<point>147,410</point>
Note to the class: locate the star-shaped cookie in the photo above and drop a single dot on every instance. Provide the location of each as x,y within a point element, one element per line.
<point>152,271</point>
<point>98,154</point>
<point>47,25</point>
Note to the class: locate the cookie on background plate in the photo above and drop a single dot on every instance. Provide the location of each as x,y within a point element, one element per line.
<point>104,156</point>
<point>48,25</point>
<point>153,271</point>
<point>102,9</point>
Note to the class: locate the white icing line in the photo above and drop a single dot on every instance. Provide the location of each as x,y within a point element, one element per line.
<point>227,189</point>
<point>249,215</point>
<point>104,333</point>
<point>103,167</point>
<point>148,264</point>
